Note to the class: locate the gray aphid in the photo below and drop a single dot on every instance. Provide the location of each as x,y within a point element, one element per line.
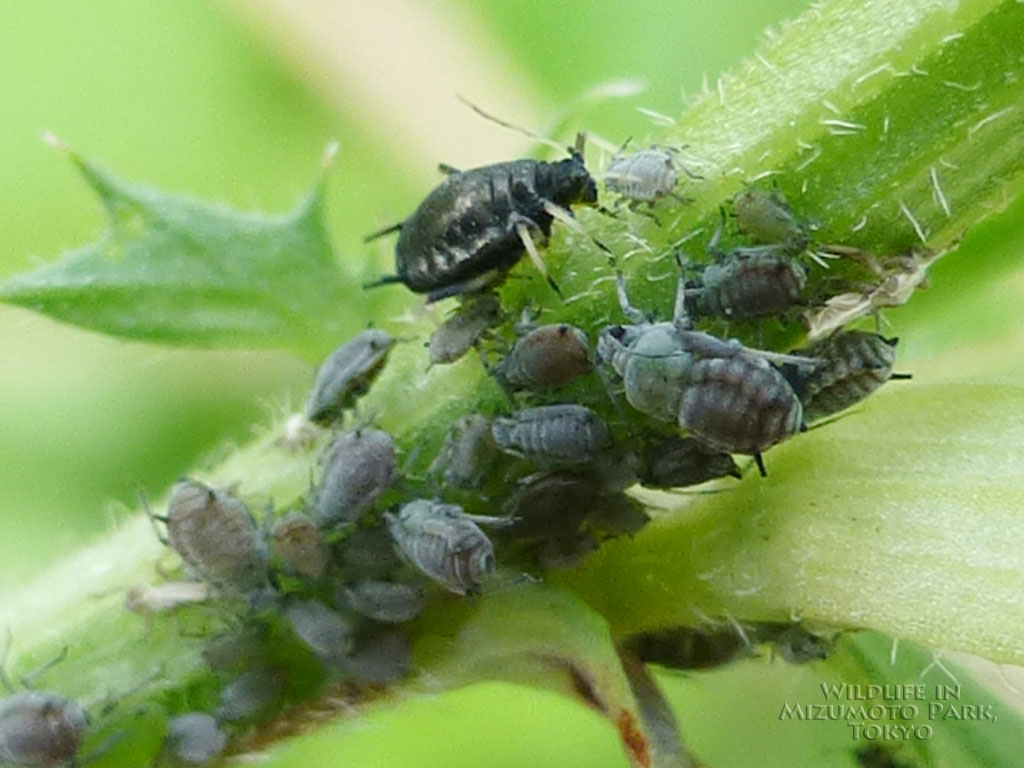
<point>854,364</point>
<point>565,434</point>
<point>300,544</point>
<point>445,543</point>
<point>194,738</point>
<point>644,176</point>
<point>253,695</point>
<point>724,393</point>
<point>347,374</point>
<point>39,729</point>
<point>547,357</point>
<point>358,466</point>
<point>380,657</point>
<point>464,328</point>
<point>327,633</point>
<point>468,452</point>
<point>385,601</point>
<point>676,462</point>
<point>216,536</point>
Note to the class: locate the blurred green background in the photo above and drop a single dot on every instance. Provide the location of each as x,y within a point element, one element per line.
<point>234,102</point>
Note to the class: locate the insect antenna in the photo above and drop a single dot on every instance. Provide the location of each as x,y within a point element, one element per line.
<point>386,280</point>
<point>517,128</point>
<point>382,232</point>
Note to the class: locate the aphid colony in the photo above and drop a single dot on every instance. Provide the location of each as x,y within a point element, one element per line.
<point>533,481</point>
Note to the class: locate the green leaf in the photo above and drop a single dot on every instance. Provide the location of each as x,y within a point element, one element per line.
<point>186,272</point>
<point>904,517</point>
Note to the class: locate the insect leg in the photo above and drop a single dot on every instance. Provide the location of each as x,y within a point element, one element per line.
<point>5,681</point>
<point>153,518</point>
<point>566,217</point>
<point>447,170</point>
<point>382,232</point>
<point>523,230</point>
<point>901,376</point>
<point>760,464</point>
<point>29,679</point>
<point>631,312</point>
<point>680,319</point>
<point>465,286</point>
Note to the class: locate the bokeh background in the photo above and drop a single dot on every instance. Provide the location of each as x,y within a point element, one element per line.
<point>234,101</point>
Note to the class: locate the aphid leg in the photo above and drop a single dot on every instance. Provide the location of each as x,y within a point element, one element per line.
<point>680,318</point>
<point>153,518</point>
<point>631,312</point>
<point>447,170</point>
<point>382,232</point>
<point>634,206</point>
<point>609,388</point>
<point>523,230</point>
<point>497,522</point>
<point>5,681</point>
<point>465,286</point>
<point>30,678</point>
<point>716,238</point>
<point>566,217</point>
<point>759,460</point>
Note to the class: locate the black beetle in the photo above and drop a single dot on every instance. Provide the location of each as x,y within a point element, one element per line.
<point>477,224</point>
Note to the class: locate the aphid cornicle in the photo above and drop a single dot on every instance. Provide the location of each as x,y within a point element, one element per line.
<point>445,543</point>
<point>468,452</point>
<point>347,374</point>
<point>547,357</point>
<point>194,738</point>
<point>726,394</point>
<point>300,544</point>
<point>563,434</point>
<point>853,365</point>
<point>477,224</point>
<point>216,536</point>
<point>464,328</point>
<point>358,466</point>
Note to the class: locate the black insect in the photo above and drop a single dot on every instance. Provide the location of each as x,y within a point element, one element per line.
<point>477,224</point>
<point>853,365</point>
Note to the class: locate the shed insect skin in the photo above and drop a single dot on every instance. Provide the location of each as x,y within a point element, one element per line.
<point>347,374</point>
<point>474,227</point>
<point>194,738</point>
<point>468,453</point>
<point>358,466</point>
<point>445,543</point>
<point>547,357</point>
<point>216,536</point>
<point>464,328</point>
<point>854,364</point>
<point>299,543</point>
<point>728,395</point>
<point>645,176</point>
<point>564,434</point>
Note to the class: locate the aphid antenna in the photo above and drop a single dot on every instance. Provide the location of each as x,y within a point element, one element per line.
<point>391,228</point>
<point>153,517</point>
<point>29,679</point>
<point>513,127</point>
<point>633,314</point>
